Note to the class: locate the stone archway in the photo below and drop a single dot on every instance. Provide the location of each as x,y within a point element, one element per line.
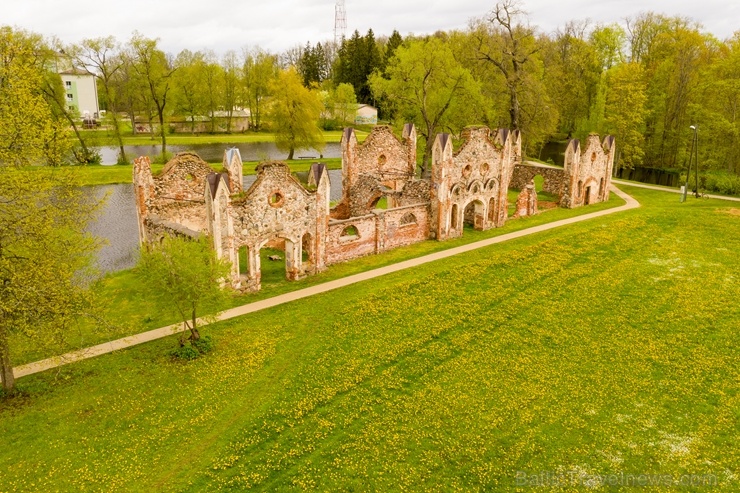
<point>474,215</point>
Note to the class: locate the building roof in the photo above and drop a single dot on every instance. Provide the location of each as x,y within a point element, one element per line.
<point>75,71</point>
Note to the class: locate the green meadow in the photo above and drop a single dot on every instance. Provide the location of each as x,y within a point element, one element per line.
<point>602,350</point>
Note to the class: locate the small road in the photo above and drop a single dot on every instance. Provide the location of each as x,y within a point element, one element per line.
<point>108,347</point>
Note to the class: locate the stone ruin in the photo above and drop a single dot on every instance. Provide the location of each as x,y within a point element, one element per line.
<point>468,186</point>
<point>585,177</point>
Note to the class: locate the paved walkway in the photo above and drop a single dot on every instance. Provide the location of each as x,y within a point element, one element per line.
<point>671,190</point>
<point>108,347</point>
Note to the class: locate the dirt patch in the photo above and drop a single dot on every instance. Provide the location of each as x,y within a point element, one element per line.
<point>732,212</point>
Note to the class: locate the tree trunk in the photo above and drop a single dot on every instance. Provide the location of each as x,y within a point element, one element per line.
<point>194,334</point>
<point>117,131</point>
<point>290,154</point>
<point>514,108</point>
<point>160,113</point>
<point>6,368</point>
<point>426,168</point>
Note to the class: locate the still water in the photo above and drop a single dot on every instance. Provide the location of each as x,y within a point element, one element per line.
<point>117,223</point>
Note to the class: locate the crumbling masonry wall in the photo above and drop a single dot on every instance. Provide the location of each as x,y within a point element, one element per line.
<point>376,232</point>
<point>589,170</point>
<point>172,197</point>
<point>468,186</point>
<point>471,185</point>
<point>379,166</point>
<point>554,182</point>
<point>278,207</point>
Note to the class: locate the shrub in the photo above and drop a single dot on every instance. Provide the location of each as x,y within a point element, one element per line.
<point>203,345</point>
<point>186,352</point>
<point>724,183</point>
<point>191,349</point>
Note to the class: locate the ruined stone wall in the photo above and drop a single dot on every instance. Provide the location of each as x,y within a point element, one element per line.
<point>175,195</point>
<point>478,174</point>
<point>277,206</point>
<point>403,226</point>
<point>157,229</point>
<point>414,192</point>
<point>382,164</point>
<point>555,179</point>
<point>526,201</point>
<point>588,167</point>
<point>341,246</point>
<point>376,232</point>
<point>232,163</point>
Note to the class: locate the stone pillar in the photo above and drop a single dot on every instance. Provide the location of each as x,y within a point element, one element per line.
<point>293,260</point>
<point>526,202</point>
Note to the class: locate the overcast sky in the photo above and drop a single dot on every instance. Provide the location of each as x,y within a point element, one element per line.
<point>277,25</point>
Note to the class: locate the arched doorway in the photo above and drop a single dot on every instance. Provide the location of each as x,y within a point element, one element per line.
<point>473,215</point>
<point>454,218</point>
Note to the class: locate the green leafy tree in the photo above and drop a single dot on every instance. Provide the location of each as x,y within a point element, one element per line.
<point>189,92</point>
<point>30,132</point>
<point>55,94</point>
<point>259,70</point>
<point>608,41</point>
<point>430,88</point>
<point>46,259</point>
<point>625,112</point>
<point>232,94</point>
<point>154,69</point>
<point>102,58</point>
<point>716,108</point>
<point>340,106</point>
<point>572,75</point>
<point>184,276</point>
<point>213,76</point>
<point>294,114</point>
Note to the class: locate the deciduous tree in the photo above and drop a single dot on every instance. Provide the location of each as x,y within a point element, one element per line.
<point>430,88</point>
<point>184,276</point>
<point>294,114</point>
<point>45,259</point>
<point>155,70</point>
<point>30,133</point>
<point>259,69</point>
<point>102,58</point>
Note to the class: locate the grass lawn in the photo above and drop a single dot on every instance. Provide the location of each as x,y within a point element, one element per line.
<point>604,347</point>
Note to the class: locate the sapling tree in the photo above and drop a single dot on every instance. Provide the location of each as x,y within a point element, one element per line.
<point>184,276</point>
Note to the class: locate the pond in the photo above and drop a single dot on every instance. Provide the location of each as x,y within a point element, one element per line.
<point>117,223</point>
<point>256,151</point>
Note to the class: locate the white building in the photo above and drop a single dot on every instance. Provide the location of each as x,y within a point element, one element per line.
<point>366,115</point>
<point>81,93</point>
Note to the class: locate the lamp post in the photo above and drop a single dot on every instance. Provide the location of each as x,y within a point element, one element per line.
<point>695,153</point>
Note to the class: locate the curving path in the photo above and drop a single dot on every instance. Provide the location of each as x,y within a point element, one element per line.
<point>671,190</point>
<point>108,347</point>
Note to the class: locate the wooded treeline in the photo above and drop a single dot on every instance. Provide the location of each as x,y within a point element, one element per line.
<point>644,80</point>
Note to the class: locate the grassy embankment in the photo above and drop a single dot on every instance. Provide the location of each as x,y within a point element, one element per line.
<point>605,347</point>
